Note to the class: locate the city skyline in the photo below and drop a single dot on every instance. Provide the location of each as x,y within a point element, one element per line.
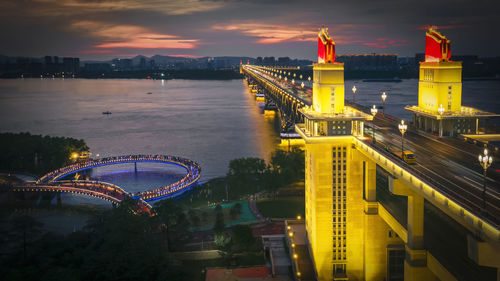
<point>103,30</point>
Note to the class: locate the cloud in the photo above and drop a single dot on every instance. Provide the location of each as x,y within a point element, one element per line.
<point>386,43</point>
<point>130,36</point>
<point>270,33</point>
<point>169,7</point>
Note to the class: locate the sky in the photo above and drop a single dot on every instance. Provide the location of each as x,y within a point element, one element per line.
<point>100,29</point>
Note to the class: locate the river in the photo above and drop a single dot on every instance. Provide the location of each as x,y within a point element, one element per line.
<point>210,122</point>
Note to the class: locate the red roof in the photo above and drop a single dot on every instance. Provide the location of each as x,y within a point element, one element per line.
<point>237,273</point>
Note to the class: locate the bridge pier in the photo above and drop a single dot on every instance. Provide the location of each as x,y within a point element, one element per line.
<point>415,266</point>
<point>483,253</point>
<point>135,168</point>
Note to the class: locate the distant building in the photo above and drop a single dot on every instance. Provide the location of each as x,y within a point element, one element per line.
<point>369,62</point>
<point>142,63</point>
<point>284,61</point>
<point>121,64</point>
<point>98,67</point>
<point>269,61</point>
<point>71,65</point>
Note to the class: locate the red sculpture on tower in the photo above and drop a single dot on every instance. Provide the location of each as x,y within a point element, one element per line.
<point>326,47</point>
<point>437,47</point>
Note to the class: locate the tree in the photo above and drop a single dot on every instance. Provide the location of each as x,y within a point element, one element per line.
<point>194,218</point>
<point>235,210</point>
<point>285,168</point>
<point>243,239</point>
<point>175,222</point>
<point>27,228</point>
<point>219,226</point>
<point>245,176</point>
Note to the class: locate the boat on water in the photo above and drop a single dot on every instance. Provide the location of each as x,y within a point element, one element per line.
<point>149,93</point>
<point>106,112</point>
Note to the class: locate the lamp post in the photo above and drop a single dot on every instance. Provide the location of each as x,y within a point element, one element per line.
<point>353,92</point>
<point>309,79</point>
<point>302,84</point>
<point>441,111</point>
<point>485,162</point>
<point>374,112</point>
<point>402,128</point>
<point>383,96</point>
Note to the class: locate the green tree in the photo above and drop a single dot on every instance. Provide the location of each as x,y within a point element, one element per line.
<point>27,229</point>
<point>194,218</point>
<point>219,226</point>
<point>243,239</point>
<point>245,176</point>
<point>235,211</point>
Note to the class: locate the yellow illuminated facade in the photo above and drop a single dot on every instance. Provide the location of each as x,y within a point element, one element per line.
<point>440,84</point>
<point>439,110</point>
<point>334,178</point>
<point>328,88</point>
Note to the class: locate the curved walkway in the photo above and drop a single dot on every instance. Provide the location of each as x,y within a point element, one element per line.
<point>111,192</point>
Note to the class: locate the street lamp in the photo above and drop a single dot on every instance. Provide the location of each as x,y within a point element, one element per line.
<point>485,162</point>
<point>302,84</point>
<point>309,79</point>
<point>293,81</point>
<point>402,128</point>
<point>383,96</point>
<point>374,112</point>
<point>353,92</point>
<point>441,111</point>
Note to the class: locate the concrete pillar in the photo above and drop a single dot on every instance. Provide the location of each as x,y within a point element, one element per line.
<point>483,253</point>
<point>415,267</point>
<point>375,229</point>
<point>370,184</point>
<point>441,128</point>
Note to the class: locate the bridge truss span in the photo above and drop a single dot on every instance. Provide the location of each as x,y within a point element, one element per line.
<point>287,97</point>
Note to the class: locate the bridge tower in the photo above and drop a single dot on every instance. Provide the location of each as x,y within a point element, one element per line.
<point>440,107</point>
<point>335,173</point>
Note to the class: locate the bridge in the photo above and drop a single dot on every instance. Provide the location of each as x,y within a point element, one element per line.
<point>51,182</point>
<point>347,232</point>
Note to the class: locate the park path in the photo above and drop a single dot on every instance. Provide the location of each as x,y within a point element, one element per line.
<point>252,205</point>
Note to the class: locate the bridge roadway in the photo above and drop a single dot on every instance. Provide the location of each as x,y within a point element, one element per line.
<point>111,192</point>
<point>449,165</point>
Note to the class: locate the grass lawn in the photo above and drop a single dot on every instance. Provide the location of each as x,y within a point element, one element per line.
<point>207,215</point>
<point>286,207</point>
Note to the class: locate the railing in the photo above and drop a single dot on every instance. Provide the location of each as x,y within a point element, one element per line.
<point>191,167</point>
<point>113,192</point>
<point>432,182</point>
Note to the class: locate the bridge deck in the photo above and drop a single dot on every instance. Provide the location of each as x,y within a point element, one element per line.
<point>449,165</point>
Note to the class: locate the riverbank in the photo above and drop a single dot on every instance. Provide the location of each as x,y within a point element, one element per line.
<point>188,74</point>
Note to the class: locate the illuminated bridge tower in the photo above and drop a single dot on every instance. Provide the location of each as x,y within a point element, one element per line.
<point>334,172</point>
<point>440,109</point>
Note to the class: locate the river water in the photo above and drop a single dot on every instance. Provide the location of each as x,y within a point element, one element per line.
<point>210,122</point>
